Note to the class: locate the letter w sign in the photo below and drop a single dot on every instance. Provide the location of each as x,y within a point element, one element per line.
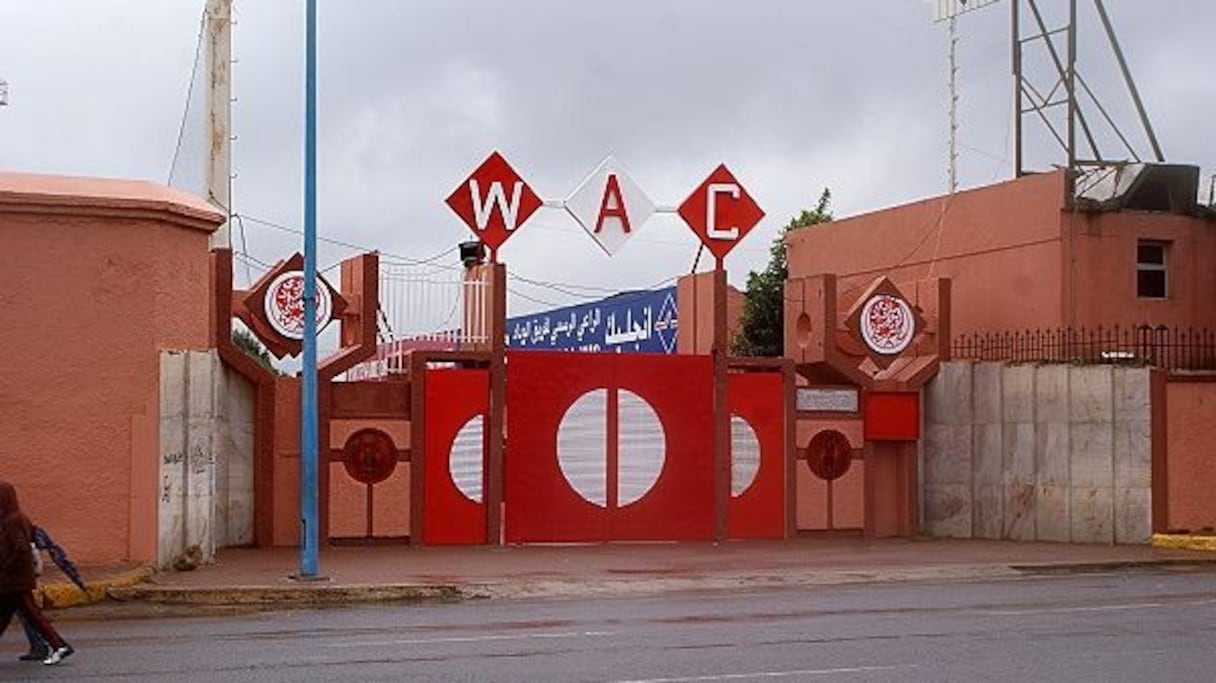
<point>494,201</point>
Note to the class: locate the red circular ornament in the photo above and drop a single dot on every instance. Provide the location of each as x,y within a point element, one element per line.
<point>369,456</point>
<point>829,454</point>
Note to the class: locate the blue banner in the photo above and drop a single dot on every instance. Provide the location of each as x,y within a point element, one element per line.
<point>630,322</point>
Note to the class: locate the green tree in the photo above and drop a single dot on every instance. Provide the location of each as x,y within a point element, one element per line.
<point>761,326</point>
<point>248,343</point>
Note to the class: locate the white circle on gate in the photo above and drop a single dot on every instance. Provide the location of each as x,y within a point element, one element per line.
<point>582,447</point>
<point>465,459</point>
<point>744,455</point>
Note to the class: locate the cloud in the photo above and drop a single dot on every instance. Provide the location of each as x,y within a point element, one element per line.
<point>794,96</point>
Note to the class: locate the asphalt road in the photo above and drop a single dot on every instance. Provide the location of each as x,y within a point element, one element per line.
<point>1134,626</point>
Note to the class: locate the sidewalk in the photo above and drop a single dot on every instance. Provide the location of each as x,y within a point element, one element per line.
<point>263,577</point>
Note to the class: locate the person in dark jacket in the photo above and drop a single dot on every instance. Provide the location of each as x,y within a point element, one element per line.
<point>17,575</point>
<point>39,648</point>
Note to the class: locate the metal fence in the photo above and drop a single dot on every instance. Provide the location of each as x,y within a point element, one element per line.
<point>434,305</point>
<point>1170,348</point>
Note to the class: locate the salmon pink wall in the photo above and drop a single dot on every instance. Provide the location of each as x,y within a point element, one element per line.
<point>286,461</point>
<point>811,492</point>
<point>1103,274</point>
<point>1000,245</point>
<point>348,504</point>
<point>97,277</point>
<point>695,301</point>
<point>1191,465</point>
<point>348,498</point>
<point>1019,259</point>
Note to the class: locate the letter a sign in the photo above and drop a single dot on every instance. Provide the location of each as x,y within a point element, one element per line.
<point>494,201</point>
<point>609,206</point>
<point>721,212</point>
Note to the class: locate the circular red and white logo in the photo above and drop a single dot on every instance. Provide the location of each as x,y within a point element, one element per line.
<point>887,325</point>
<point>285,304</point>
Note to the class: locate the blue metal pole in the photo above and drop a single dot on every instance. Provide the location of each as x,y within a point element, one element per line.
<point>309,532</point>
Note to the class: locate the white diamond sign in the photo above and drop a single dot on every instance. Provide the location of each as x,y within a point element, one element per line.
<point>609,206</point>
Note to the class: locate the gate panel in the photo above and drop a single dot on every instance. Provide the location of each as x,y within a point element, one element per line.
<point>455,452</point>
<point>757,448</point>
<point>606,447</point>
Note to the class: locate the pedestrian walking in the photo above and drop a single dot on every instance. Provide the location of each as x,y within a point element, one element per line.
<point>39,648</point>
<point>17,577</point>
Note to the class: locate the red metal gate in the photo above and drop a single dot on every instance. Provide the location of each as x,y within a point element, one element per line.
<point>455,452</point>
<point>757,455</point>
<point>603,447</point>
<point>608,447</point>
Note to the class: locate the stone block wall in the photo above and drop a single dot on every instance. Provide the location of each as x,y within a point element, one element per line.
<point>1037,453</point>
<point>206,458</point>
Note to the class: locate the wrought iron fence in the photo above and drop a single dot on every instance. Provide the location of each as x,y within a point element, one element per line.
<point>1170,348</point>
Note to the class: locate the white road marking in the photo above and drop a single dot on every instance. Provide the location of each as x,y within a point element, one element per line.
<point>769,674</point>
<point>1098,608</point>
<point>474,639</point>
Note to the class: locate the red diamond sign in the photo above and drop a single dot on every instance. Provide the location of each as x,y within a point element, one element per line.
<point>494,201</point>
<point>721,212</point>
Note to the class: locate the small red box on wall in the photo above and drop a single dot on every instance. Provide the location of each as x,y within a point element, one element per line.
<point>890,416</point>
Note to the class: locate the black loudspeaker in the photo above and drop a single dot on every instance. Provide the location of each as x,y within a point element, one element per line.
<point>472,253</point>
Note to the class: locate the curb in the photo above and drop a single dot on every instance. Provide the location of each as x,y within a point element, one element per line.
<point>1110,566</point>
<point>63,594</point>
<point>285,596</point>
<point>1184,542</point>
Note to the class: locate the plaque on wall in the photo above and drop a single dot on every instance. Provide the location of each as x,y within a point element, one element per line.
<point>827,399</point>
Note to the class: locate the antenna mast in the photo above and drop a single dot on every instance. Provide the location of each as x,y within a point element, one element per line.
<point>948,11</point>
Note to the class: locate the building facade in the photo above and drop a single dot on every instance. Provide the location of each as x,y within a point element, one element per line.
<point>1027,254</point>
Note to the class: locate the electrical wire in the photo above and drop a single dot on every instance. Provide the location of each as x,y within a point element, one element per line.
<point>248,258</point>
<point>534,300</point>
<point>430,260</point>
<point>568,290</point>
<point>577,291</point>
<point>181,130</point>
<point>244,246</point>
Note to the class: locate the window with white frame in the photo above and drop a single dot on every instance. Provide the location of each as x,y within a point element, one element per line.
<point>1151,269</point>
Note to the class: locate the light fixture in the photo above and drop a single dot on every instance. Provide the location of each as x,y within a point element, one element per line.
<point>472,253</point>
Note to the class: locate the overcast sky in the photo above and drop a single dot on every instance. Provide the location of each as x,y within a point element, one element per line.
<point>793,95</point>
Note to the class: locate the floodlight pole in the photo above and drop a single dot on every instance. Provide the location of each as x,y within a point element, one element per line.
<point>218,39</point>
<point>952,184</point>
<point>309,532</point>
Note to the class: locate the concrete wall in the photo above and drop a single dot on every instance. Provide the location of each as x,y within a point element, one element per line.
<point>206,463</point>
<point>1037,452</point>
<point>1191,445</point>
